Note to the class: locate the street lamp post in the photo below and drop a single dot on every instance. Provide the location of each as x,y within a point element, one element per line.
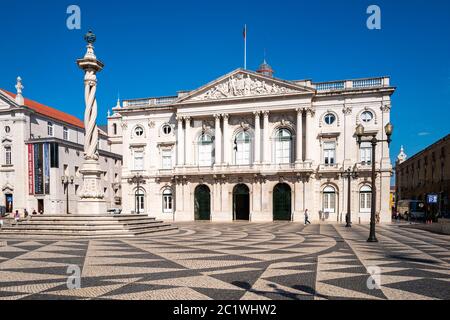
<point>65,180</point>
<point>374,141</point>
<point>137,179</point>
<point>349,174</point>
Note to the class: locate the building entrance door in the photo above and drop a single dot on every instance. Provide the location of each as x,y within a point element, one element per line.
<point>241,202</point>
<point>9,203</point>
<point>202,203</point>
<point>282,203</point>
<point>41,206</point>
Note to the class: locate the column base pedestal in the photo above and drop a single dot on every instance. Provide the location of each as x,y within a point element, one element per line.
<point>92,207</point>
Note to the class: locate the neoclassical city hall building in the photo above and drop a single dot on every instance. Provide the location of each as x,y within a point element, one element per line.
<point>249,146</point>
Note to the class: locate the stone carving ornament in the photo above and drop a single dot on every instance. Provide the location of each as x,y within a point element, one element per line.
<point>241,86</point>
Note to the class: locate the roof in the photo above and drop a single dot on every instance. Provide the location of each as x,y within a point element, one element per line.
<point>49,111</point>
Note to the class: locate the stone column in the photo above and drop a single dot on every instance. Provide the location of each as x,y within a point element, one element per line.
<point>309,136</point>
<point>226,140</point>
<point>299,147</point>
<point>92,197</point>
<point>218,137</point>
<point>257,138</point>
<point>180,142</point>
<point>266,140</point>
<point>188,140</point>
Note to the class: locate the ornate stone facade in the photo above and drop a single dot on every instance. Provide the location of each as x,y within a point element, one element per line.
<point>252,147</point>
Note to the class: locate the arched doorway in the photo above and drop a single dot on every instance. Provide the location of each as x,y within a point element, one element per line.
<point>241,202</point>
<point>282,202</point>
<point>202,203</point>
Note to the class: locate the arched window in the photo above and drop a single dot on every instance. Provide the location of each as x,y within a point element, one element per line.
<point>365,199</point>
<point>329,118</point>
<point>329,199</point>
<point>242,148</point>
<point>167,201</point>
<point>205,151</point>
<point>283,146</point>
<point>114,128</point>
<point>138,131</point>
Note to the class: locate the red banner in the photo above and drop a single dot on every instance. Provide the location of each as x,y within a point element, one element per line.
<point>30,169</point>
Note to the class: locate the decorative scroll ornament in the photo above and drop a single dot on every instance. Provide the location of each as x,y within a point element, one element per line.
<point>242,86</point>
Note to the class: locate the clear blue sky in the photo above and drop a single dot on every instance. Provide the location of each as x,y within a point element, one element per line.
<point>153,48</point>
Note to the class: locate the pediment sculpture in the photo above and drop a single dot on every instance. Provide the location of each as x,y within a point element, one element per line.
<point>241,86</point>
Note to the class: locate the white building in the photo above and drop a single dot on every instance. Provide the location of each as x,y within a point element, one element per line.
<point>248,146</point>
<point>42,152</point>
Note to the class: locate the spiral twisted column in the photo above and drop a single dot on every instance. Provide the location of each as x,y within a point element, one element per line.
<point>92,196</point>
<point>90,116</point>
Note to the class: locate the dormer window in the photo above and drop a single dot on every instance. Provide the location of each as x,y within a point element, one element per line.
<point>50,129</point>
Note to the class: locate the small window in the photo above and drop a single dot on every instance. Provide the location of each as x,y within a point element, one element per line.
<point>139,132</point>
<point>8,158</point>
<point>330,118</point>
<point>65,133</point>
<point>167,129</point>
<point>50,129</point>
<point>7,129</point>
<point>114,128</point>
<point>366,153</point>
<point>367,116</point>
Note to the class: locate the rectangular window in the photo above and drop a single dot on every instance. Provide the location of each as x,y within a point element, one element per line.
<point>366,153</point>
<point>205,155</point>
<point>50,129</point>
<point>65,134</point>
<point>283,152</point>
<point>139,160</point>
<point>8,158</point>
<point>54,155</point>
<point>167,159</point>
<point>329,152</point>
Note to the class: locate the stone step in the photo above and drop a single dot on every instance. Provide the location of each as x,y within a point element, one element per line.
<point>86,226</point>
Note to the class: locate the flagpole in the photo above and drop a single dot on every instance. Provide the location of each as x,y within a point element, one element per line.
<point>245,47</point>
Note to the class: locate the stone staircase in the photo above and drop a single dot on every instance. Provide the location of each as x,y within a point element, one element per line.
<point>85,226</point>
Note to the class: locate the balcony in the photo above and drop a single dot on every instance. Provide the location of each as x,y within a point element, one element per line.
<point>149,102</point>
<point>352,84</point>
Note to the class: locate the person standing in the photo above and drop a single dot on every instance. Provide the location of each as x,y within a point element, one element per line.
<point>307,217</point>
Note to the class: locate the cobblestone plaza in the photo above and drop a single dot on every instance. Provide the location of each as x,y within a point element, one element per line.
<point>235,261</point>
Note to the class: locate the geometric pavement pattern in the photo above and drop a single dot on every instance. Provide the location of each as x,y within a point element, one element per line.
<point>233,261</point>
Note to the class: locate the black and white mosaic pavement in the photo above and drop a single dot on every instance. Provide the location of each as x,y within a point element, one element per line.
<point>235,261</point>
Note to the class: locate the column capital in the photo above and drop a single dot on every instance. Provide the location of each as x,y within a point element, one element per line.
<point>187,118</point>
<point>180,118</point>
<point>347,110</point>
<point>257,113</point>
<point>310,112</point>
<point>299,110</point>
<point>217,116</point>
<point>225,116</point>
<point>266,113</point>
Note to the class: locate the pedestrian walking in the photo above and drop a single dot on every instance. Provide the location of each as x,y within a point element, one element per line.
<point>307,217</point>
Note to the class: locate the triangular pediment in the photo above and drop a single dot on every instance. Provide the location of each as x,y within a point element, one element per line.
<point>241,84</point>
